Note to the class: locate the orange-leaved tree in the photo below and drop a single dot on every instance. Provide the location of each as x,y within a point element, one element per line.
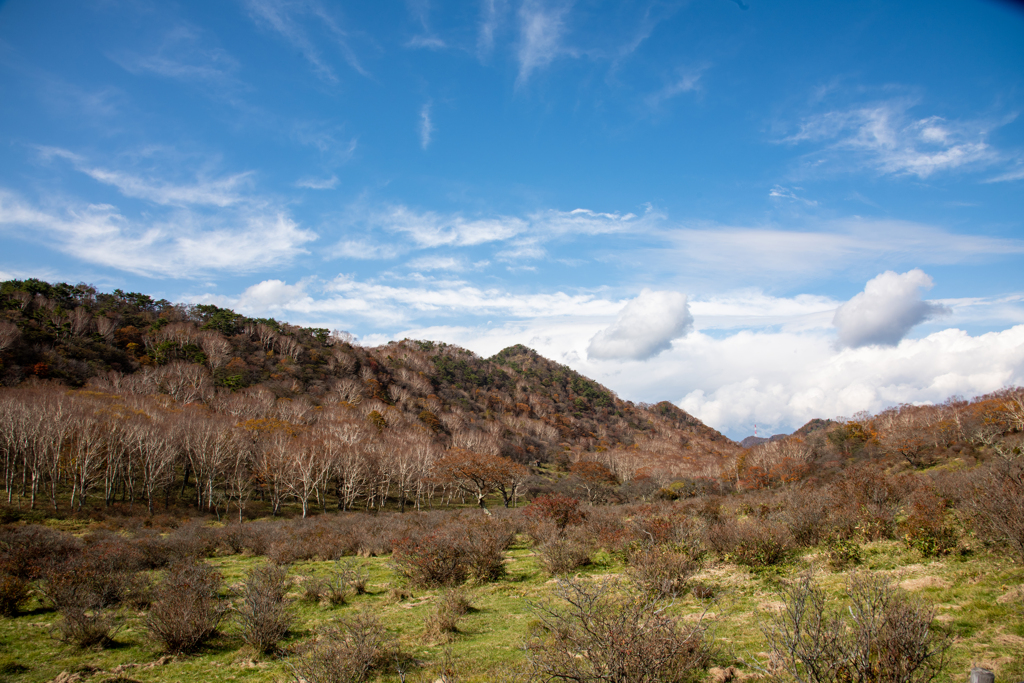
<point>480,474</point>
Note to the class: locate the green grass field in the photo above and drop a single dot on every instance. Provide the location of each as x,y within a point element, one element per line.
<point>979,598</point>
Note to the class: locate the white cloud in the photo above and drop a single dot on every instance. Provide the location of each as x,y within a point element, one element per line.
<point>783,380</point>
<point>426,126</point>
<point>181,56</point>
<point>886,310</point>
<point>686,80</point>
<point>644,328</point>
<point>836,246</point>
<point>752,308</point>
<point>283,18</point>
<point>183,244</point>
<point>541,28</point>
<point>885,137</point>
<point>448,263</point>
<point>490,14</point>
<point>779,192</point>
<point>214,192</point>
<point>318,183</point>
<point>220,192</point>
<point>779,373</point>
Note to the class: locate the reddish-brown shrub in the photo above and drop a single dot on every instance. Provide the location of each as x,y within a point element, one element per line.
<point>29,551</point>
<point>878,634</point>
<point>450,552</point>
<point>663,571</point>
<point>750,541</point>
<point>993,506</point>
<point>872,498</point>
<point>926,526</point>
<point>562,510</point>
<point>357,648</point>
<point>802,513</point>
<point>608,631</point>
<point>187,608</point>
<point>13,593</point>
<point>609,529</point>
<point>567,552</point>
<point>263,616</point>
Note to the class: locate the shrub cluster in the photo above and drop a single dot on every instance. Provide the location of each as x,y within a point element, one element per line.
<point>877,634</point>
<point>449,553</point>
<point>187,608</point>
<point>263,615</point>
<point>609,631</point>
<point>353,651</point>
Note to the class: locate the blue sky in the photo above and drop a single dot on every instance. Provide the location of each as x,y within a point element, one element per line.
<point>762,211</point>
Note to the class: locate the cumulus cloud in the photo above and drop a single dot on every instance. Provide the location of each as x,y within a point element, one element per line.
<point>783,380</point>
<point>886,310</point>
<point>644,328</point>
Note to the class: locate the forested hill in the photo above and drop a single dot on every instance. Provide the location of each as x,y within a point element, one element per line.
<point>516,404</point>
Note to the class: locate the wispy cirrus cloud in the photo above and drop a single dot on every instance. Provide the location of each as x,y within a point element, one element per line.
<point>426,38</point>
<point>426,126</point>
<point>318,183</point>
<point>541,29</point>
<point>521,237</point>
<point>183,56</point>
<point>220,192</point>
<point>286,19</point>
<point>684,80</point>
<point>834,246</point>
<point>886,137</point>
<point>491,12</point>
<point>181,244</point>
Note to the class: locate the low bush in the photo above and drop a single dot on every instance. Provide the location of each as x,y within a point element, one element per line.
<point>263,615</point>
<point>14,593</point>
<point>608,631</point>
<point>85,628</point>
<point>842,553</point>
<point>342,581</point>
<point>926,526</point>
<point>431,559</point>
<point>661,570</point>
<point>359,647</point>
<point>994,508</point>
<point>566,553</point>
<point>608,528</point>
<point>186,609</point>
<point>561,510</point>
<point>444,619</point>
<point>803,513</point>
<point>752,542</point>
<point>878,633</point>
<point>467,546</point>
<point>29,551</point>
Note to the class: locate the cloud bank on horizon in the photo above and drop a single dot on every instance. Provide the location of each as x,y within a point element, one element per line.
<point>741,211</point>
